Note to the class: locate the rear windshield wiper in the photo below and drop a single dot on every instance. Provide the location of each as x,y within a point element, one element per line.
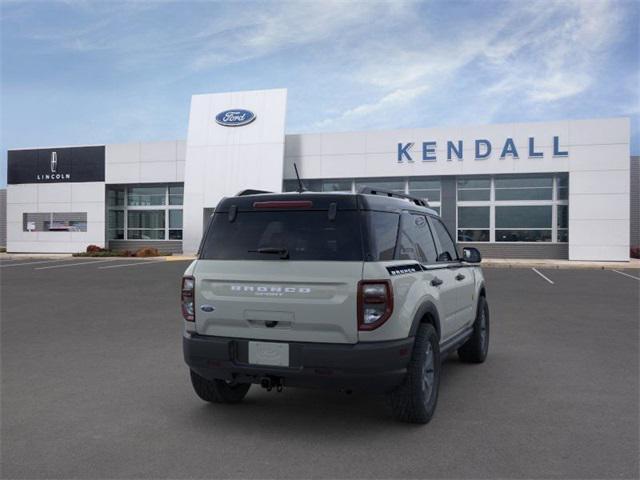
<point>283,252</point>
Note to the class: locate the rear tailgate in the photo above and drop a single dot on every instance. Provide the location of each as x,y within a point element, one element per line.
<point>306,301</point>
<point>281,267</point>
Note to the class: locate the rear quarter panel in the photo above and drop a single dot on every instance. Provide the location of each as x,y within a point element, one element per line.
<point>410,292</point>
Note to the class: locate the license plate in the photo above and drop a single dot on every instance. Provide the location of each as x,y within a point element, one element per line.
<point>269,353</point>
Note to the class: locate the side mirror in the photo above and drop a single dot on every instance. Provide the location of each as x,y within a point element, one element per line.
<point>471,255</point>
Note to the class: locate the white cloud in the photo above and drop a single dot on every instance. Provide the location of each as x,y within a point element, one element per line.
<point>285,25</point>
<point>394,100</point>
<point>538,52</point>
<point>366,62</point>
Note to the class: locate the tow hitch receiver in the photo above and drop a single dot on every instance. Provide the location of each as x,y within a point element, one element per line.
<point>269,383</point>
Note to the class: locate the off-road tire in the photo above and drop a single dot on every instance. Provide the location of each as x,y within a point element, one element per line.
<point>476,348</point>
<point>414,401</point>
<point>218,391</point>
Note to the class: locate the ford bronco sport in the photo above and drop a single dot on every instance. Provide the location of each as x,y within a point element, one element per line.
<point>360,291</point>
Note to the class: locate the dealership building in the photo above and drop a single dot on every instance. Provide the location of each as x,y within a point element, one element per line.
<point>561,190</point>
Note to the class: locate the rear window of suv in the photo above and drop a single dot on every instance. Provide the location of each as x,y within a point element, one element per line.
<point>305,235</point>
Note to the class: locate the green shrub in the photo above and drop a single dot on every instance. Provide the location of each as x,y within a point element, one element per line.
<point>103,253</point>
<point>95,251</point>
<point>147,252</point>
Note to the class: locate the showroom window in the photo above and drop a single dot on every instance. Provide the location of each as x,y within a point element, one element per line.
<point>115,222</point>
<point>175,224</point>
<point>474,224</point>
<point>562,182</point>
<point>474,189</point>
<point>115,197</point>
<point>176,194</point>
<point>513,208</point>
<point>319,185</point>
<point>147,212</point>
<point>428,189</point>
<point>524,188</point>
<point>530,223</point>
<point>390,184</point>
<point>146,196</point>
<point>145,224</point>
<point>54,222</point>
<point>563,223</point>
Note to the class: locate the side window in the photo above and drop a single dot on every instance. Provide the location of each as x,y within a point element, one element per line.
<point>416,242</point>
<point>447,251</point>
<point>383,230</point>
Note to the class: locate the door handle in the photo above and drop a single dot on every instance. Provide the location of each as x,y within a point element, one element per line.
<point>436,282</point>
<point>460,277</point>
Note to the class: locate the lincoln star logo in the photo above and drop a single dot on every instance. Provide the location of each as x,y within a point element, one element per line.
<point>54,175</point>
<point>235,118</point>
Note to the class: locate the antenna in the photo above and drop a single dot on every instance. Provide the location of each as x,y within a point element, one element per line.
<point>301,187</point>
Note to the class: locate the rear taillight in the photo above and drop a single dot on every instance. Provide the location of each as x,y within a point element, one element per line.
<point>188,298</point>
<point>375,303</point>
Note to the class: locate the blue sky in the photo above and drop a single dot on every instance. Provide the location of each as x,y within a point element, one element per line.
<point>94,72</point>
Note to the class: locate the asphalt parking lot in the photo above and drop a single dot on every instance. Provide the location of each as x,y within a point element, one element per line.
<point>94,386</point>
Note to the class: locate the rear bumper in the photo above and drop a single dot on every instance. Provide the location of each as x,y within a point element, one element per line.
<point>372,367</point>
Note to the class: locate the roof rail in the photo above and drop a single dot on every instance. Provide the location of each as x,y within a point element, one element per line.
<point>250,191</point>
<point>377,191</point>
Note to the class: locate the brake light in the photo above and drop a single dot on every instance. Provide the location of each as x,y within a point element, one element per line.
<point>284,204</point>
<point>375,303</point>
<point>188,298</point>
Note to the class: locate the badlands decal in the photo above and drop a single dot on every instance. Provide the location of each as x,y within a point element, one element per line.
<point>404,269</point>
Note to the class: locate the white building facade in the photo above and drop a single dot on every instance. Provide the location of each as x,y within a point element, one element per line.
<point>520,190</point>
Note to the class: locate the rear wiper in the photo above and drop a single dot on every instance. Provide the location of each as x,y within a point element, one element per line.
<point>283,252</point>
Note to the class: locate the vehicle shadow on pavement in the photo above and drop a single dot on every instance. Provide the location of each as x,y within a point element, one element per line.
<point>309,410</point>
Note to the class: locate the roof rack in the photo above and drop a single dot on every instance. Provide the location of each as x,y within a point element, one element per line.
<point>377,191</point>
<point>250,191</point>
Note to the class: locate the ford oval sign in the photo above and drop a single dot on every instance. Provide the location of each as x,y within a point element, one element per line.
<point>235,118</point>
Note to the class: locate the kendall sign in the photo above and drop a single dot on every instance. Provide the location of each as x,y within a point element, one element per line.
<point>482,150</point>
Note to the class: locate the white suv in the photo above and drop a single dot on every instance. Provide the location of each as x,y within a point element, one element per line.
<point>351,291</point>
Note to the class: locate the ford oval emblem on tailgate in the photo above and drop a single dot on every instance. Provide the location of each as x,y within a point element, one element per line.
<point>207,308</point>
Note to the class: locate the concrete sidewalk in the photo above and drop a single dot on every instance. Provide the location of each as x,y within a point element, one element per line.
<point>518,263</point>
<point>69,256</point>
<point>634,263</point>
<point>27,256</point>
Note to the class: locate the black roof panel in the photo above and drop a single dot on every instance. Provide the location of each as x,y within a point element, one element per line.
<point>322,200</point>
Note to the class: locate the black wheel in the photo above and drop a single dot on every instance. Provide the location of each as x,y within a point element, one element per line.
<point>218,391</point>
<point>476,348</point>
<point>415,400</point>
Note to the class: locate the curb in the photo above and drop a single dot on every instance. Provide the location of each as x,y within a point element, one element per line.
<point>556,266</point>
<point>179,258</point>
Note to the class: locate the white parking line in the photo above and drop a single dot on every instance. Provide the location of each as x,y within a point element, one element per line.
<point>546,278</point>
<point>32,263</point>
<point>626,274</point>
<point>73,264</point>
<point>141,262</point>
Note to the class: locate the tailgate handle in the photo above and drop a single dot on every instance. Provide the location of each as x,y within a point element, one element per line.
<point>233,213</point>
<point>333,209</point>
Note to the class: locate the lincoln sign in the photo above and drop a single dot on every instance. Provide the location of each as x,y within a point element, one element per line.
<point>56,165</point>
